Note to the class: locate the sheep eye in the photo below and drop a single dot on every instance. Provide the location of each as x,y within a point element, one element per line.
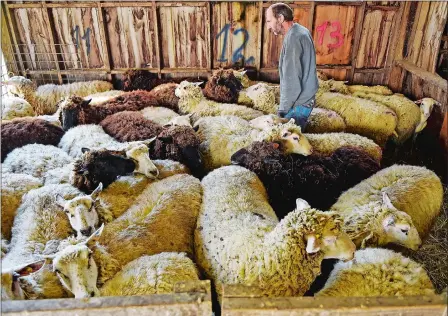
<point>404,231</point>
<point>295,138</point>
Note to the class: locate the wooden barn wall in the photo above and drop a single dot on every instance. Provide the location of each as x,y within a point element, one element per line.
<point>359,41</point>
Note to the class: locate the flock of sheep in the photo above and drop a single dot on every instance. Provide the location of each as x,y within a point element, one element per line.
<point>108,192</point>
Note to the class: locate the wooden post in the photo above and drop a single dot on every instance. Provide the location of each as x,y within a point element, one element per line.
<point>392,44</point>
<point>107,64</point>
<point>13,37</point>
<point>52,43</point>
<point>311,18</point>
<point>210,37</point>
<point>157,39</point>
<point>358,30</point>
<point>259,38</point>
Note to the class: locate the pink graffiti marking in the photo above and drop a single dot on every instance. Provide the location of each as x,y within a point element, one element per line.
<point>321,29</point>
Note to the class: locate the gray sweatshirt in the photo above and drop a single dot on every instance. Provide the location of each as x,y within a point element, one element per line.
<point>297,69</point>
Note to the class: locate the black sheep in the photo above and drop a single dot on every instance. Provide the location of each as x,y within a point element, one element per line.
<point>318,180</point>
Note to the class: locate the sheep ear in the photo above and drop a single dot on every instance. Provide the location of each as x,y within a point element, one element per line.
<point>312,244</point>
<point>96,192</point>
<point>418,102</point>
<point>301,204</point>
<point>86,102</point>
<point>243,72</point>
<point>84,150</point>
<point>387,202</point>
<point>198,83</point>
<point>95,236</point>
<point>60,201</point>
<point>28,268</point>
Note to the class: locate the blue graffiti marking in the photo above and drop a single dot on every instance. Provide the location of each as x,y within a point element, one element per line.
<point>86,37</point>
<point>224,30</point>
<point>238,53</point>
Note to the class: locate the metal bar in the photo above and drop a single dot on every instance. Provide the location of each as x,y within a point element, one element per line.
<point>13,36</point>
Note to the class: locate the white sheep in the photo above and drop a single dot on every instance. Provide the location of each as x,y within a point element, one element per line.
<point>100,97</point>
<point>414,190</point>
<point>35,160</point>
<point>426,107</point>
<point>146,228</point>
<point>159,115</point>
<point>192,100</point>
<point>14,186</point>
<point>31,280</point>
<point>13,107</point>
<point>361,116</point>
<point>327,143</point>
<point>156,274</point>
<point>238,239</point>
<point>94,137</point>
<point>41,218</point>
<point>45,98</point>
<point>378,272</point>
<point>222,136</point>
<point>380,223</point>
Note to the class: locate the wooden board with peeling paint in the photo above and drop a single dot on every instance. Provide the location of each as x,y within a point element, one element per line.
<point>78,37</point>
<point>130,32</point>
<point>234,33</point>
<point>184,38</point>
<point>333,33</point>
<point>33,39</point>
<point>375,39</point>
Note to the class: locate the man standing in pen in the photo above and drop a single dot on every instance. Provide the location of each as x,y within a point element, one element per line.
<point>297,65</point>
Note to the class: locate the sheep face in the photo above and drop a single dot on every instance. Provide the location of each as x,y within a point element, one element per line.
<point>398,227</point>
<point>70,111</point>
<point>188,89</point>
<point>19,86</point>
<point>77,270</point>
<point>241,76</point>
<point>426,107</point>
<point>334,245</point>
<point>11,289</point>
<point>295,143</point>
<point>82,214</point>
<point>267,121</point>
<point>183,120</point>
<point>144,165</point>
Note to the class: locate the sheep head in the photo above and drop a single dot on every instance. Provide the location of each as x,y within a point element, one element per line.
<point>242,77</point>
<point>139,153</point>
<point>397,226</point>
<point>20,86</point>
<point>267,121</point>
<point>183,120</point>
<point>100,166</point>
<point>426,107</point>
<point>11,287</point>
<point>331,240</point>
<point>76,269</point>
<point>189,90</point>
<point>71,111</point>
<point>290,136</point>
<point>82,213</point>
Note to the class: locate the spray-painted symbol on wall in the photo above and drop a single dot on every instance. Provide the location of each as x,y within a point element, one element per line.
<point>237,54</point>
<point>335,34</point>
<point>86,37</point>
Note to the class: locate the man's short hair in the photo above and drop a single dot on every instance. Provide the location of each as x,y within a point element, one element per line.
<point>282,9</point>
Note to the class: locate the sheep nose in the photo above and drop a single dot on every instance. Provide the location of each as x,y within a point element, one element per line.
<point>155,173</point>
<point>86,232</point>
<point>92,294</point>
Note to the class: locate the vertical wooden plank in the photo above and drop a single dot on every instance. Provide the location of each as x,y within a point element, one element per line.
<point>358,29</point>
<point>259,38</point>
<point>13,36</point>
<point>209,36</point>
<point>419,31</point>
<point>157,39</point>
<point>104,42</point>
<point>51,36</point>
<point>393,41</point>
<point>311,17</point>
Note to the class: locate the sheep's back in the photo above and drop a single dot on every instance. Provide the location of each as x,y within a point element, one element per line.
<point>23,131</point>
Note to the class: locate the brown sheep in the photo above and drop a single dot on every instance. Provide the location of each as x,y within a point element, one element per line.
<point>165,96</point>
<point>223,86</point>
<point>178,143</point>
<point>77,111</point>
<point>23,131</point>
